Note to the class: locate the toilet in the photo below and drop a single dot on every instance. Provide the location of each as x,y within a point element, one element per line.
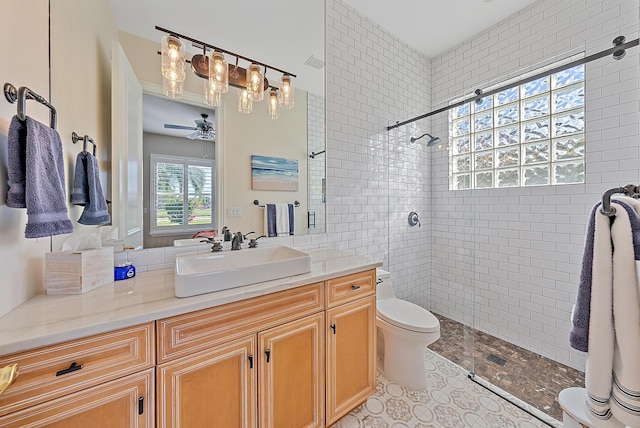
<point>404,330</point>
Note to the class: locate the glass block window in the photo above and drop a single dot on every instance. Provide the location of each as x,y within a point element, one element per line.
<point>529,135</point>
<point>182,192</point>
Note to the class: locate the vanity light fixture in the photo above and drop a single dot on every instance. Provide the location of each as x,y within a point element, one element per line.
<point>219,74</point>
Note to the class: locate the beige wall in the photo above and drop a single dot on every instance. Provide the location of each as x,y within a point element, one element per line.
<point>241,135</point>
<point>80,95</point>
<point>24,64</point>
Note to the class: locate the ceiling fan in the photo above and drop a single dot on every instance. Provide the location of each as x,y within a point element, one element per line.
<point>202,131</point>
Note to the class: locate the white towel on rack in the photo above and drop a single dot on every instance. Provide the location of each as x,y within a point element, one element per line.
<point>282,219</point>
<point>612,373</point>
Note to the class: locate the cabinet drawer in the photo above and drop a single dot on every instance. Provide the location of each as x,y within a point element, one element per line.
<point>124,403</point>
<point>350,287</point>
<point>184,334</point>
<point>49,372</point>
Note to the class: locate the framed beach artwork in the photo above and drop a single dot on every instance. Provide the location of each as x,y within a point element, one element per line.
<point>269,173</point>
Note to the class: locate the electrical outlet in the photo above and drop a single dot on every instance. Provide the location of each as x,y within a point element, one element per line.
<point>234,212</point>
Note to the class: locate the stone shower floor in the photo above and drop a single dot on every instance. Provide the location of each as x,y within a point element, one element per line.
<point>530,377</point>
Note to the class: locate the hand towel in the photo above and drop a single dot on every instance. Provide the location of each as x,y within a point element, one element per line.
<point>16,158</point>
<point>270,220</point>
<point>95,211</point>
<point>579,336</point>
<point>292,217</point>
<point>80,192</point>
<point>612,375</point>
<point>282,219</point>
<point>42,168</point>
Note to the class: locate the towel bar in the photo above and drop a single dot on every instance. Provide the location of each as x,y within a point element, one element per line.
<point>257,203</point>
<point>23,94</point>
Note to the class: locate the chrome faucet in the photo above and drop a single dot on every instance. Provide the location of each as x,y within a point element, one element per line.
<point>236,243</point>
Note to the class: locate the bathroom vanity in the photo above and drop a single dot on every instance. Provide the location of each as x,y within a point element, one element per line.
<point>299,351</point>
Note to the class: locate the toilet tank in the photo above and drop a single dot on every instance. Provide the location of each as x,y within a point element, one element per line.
<point>383,289</point>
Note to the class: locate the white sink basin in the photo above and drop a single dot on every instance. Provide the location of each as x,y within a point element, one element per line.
<point>199,273</point>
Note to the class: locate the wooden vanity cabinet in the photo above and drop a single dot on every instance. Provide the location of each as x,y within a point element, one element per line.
<point>350,343</point>
<point>258,358</point>
<point>291,374</point>
<point>105,380</point>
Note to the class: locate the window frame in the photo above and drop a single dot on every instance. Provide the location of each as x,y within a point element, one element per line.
<point>154,229</point>
<point>523,164</point>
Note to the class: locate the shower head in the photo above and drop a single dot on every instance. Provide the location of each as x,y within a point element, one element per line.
<point>432,140</point>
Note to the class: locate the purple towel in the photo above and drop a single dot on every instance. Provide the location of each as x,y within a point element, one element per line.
<point>291,219</point>
<point>579,336</point>
<point>36,173</point>
<point>80,188</point>
<point>271,220</point>
<point>95,211</point>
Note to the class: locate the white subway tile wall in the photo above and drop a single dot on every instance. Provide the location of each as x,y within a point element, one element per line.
<point>317,174</point>
<point>525,244</point>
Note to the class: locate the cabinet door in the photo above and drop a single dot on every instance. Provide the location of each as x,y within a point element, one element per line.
<point>291,374</point>
<point>214,388</point>
<point>121,403</point>
<point>351,369</point>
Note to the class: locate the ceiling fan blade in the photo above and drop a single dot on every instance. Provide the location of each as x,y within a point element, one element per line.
<point>193,135</point>
<point>200,123</point>
<point>190,128</point>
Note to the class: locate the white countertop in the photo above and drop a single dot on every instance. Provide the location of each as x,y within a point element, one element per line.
<point>48,319</point>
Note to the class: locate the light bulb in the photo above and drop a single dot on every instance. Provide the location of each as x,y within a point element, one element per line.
<point>286,94</point>
<point>274,110</point>
<point>219,73</point>
<point>254,83</point>
<point>245,104</point>
<point>211,96</point>
<point>173,58</point>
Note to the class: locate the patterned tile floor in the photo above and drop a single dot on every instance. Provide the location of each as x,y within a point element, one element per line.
<point>451,400</point>
<point>525,374</point>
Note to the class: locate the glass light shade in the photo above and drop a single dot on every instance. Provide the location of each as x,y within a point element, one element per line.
<point>286,95</point>
<point>274,108</point>
<point>255,82</point>
<point>245,104</point>
<point>218,73</point>
<point>173,59</point>
<point>211,96</point>
<point>171,88</point>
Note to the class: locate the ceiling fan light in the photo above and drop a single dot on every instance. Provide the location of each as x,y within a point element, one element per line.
<point>173,58</point>
<point>211,96</point>
<point>274,108</point>
<point>172,88</point>
<point>219,73</point>
<point>245,103</point>
<point>255,82</point>
<point>286,94</point>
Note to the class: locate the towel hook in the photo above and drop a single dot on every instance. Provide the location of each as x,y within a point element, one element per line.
<point>86,139</point>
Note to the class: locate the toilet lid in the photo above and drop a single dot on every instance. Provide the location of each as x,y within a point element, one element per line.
<point>407,315</point>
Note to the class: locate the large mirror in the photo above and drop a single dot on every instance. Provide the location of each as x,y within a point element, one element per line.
<point>284,34</point>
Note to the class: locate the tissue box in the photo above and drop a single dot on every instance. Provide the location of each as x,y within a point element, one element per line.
<point>76,272</point>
